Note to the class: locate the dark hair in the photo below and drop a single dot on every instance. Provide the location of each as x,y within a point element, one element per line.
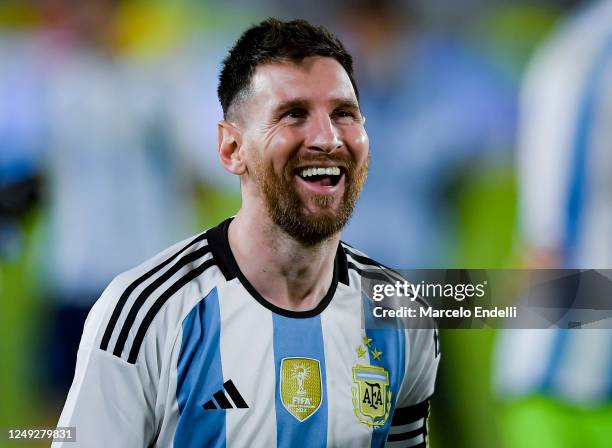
<point>274,40</point>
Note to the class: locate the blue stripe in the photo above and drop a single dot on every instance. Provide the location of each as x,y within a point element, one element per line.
<point>299,338</point>
<point>581,144</point>
<point>392,344</point>
<point>556,354</point>
<point>577,193</point>
<point>199,376</point>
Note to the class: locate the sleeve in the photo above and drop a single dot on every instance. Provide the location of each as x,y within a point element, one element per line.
<point>409,422</point>
<point>109,403</point>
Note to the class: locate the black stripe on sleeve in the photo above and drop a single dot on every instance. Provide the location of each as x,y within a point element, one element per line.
<point>403,416</point>
<point>362,258</point>
<point>406,416</point>
<point>144,295</point>
<point>379,273</point>
<point>370,274</point>
<point>354,267</point>
<point>161,300</point>
<point>406,435</point>
<point>130,289</point>
<point>369,262</point>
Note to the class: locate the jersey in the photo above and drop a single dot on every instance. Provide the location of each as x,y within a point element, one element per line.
<point>183,351</point>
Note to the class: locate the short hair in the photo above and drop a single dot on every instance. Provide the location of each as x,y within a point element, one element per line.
<point>271,41</point>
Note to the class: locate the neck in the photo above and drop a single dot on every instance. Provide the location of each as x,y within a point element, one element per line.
<point>286,273</point>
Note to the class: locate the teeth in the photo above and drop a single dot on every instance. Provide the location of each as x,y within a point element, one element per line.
<point>331,171</point>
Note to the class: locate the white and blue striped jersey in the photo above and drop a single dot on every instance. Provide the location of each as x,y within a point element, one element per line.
<point>183,351</point>
<point>565,167</point>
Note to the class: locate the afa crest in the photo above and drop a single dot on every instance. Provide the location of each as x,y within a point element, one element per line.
<point>301,386</point>
<point>371,396</point>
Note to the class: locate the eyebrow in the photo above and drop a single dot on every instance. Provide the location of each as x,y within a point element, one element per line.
<point>346,103</point>
<point>292,104</point>
<point>305,103</point>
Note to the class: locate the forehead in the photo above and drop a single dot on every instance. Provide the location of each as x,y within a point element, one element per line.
<point>314,78</point>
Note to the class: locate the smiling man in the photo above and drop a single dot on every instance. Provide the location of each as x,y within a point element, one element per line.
<point>250,334</point>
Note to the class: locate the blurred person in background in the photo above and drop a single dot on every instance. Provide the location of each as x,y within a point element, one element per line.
<point>558,383</point>
<point>116,188</point>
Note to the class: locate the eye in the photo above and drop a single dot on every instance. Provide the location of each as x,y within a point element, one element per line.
<point>295,113</point>
<point>344,115</point>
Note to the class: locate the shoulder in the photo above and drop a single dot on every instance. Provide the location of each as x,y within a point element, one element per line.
<point>371,273</point>
<point>151,300</point>
<point>365,271</point>
<point>362,264</point>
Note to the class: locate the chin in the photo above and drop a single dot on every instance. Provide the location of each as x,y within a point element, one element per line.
<point>315,212</point>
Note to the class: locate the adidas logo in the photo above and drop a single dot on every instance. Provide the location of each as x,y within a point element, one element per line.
<point>220,400</point>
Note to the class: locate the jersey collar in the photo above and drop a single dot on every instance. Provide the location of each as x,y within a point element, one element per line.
<point>219,244</point>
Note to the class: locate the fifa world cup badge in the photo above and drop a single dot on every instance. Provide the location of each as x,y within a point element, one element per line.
<point>301,386</point>
<point>371,398</point>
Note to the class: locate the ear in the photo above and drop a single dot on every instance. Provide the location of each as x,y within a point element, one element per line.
<point>229,148</point>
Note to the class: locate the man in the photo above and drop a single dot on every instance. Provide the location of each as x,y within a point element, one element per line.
<point>250,333</point>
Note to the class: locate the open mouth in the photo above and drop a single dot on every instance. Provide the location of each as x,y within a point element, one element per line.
<point>323,176</point>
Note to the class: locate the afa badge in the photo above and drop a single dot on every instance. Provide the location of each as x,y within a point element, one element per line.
<point>371,396</point>
<point>301,386</point>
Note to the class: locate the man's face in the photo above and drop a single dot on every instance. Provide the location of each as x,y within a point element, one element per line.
<point>306,149</point>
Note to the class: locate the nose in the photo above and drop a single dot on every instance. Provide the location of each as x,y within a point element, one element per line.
<point>322,134</point>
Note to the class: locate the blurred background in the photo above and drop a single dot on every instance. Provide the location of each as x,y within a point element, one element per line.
<point>108,115</point>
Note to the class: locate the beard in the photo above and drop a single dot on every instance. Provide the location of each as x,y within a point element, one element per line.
<point>287,209</point>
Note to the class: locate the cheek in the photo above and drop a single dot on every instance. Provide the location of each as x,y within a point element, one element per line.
<point>281,146</point>
<point>358,144</point>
